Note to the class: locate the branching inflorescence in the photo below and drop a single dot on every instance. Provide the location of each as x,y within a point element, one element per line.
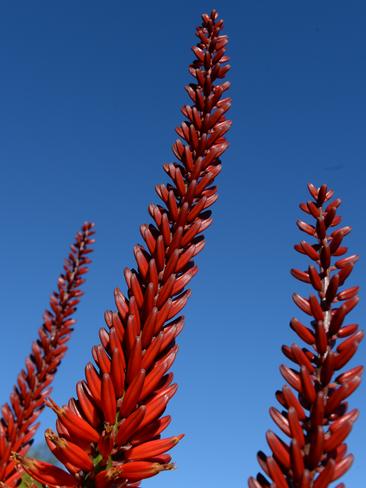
<point>315,414</point>
<point>109,435</point>
<point>28,397</point>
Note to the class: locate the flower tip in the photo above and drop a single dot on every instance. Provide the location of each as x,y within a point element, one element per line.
<point>214,14</point>
<point>48,433</point>
<point>21,460</point>
<point>15,457</point>
<point>53,405</point>
<point>88,224</point>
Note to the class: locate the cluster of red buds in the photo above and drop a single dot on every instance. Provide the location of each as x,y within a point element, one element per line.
<point>315,415</point>
<point>17,424</point>
<point>110,433</point>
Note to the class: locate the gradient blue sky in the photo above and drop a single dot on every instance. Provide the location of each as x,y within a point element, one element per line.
<point>90,96</point>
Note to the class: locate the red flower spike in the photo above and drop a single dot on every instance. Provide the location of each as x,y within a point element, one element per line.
<point>315,415</point>
<point>32,388</point>
<point>127,390</point>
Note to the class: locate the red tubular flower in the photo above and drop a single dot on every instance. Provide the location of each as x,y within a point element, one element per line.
<point>117,415</point>
<point>27,399</point>
<point>315,416</point>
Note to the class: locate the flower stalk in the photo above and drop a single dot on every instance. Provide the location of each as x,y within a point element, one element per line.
<point>116,418</point>
<point>27,400</point>
<point>315,415</point>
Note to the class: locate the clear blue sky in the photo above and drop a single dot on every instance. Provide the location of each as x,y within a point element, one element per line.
<point>90,96</point>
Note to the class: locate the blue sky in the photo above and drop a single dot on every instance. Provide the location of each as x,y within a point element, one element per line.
<point>90,96</point>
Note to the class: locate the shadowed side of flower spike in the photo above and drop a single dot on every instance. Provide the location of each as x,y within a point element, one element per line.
<point>315,415</point>
<point>117,417</point>
<point>17,424</point>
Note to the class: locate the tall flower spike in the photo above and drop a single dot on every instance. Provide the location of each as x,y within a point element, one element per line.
<point>315,414</point>
<point>17,425</point>
<point>116,418</point>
